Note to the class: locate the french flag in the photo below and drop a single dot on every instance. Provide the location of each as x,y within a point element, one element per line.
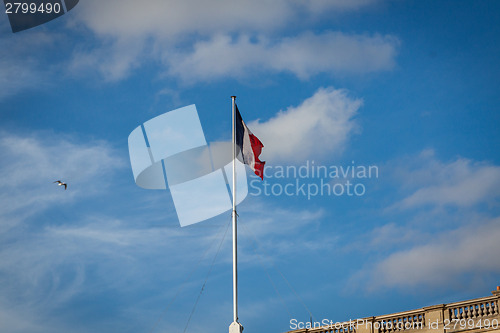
<point>249,146</point>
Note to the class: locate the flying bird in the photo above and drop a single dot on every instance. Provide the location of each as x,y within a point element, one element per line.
<point>60,183</point>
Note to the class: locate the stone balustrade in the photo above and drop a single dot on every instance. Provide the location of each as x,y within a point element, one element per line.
<point>395,323</point>
<point>474,310</point>
<point>471,316</point>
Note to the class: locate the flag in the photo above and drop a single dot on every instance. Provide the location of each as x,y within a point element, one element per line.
<point>249,146</point>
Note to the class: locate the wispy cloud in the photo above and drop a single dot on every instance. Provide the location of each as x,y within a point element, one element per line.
<point>267,236</point>
<point>112,60</point>
<point>44,272</point>
<point>61,265</point>
<point>31,163</point>
<point>460,183</point>
<point>464,256</point>
<point>293,135</point>
<point>22,69</point>
<point>304,55</point>
<point>68,260</point>
<point>444,232</point>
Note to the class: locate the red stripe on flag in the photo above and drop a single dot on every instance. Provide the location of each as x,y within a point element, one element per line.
<point>257,149</point>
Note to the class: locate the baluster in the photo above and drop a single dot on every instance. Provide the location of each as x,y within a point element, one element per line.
<point>474,311</point>
<point>486,309</point>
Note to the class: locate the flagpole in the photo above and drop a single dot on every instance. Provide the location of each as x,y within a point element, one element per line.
<point>235,326</point>
<point>235,239</point>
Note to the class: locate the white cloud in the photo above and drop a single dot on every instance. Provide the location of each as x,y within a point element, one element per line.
<point>320,6</point>
<point>304,55</point>
<point>460,183</point>
<point>197,41</point>
<point>293,135</point>
<point>454,257</point>
<point>175,19</point>
<point>191,38</point>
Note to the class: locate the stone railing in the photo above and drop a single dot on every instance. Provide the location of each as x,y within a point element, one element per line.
<point>476,315</point>
<point>479,314</point>
<point>399,322</point>
<point>473,310</point>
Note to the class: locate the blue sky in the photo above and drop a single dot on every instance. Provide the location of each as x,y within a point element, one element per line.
<point>410,87</point>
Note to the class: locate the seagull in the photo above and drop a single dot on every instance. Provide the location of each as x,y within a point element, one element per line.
<point>60,183</point>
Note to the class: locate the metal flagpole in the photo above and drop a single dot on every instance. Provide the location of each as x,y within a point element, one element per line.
<point>235,326</point>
